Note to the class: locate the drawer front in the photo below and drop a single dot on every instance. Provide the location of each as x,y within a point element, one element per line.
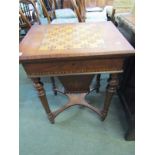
<point>56,68</point>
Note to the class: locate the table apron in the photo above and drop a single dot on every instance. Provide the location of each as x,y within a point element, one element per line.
<point>73,67</point>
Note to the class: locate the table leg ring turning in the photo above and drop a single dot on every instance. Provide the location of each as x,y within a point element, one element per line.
<point>77,99</point>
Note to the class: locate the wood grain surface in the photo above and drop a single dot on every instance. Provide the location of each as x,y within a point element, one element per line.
<point>73,40</point>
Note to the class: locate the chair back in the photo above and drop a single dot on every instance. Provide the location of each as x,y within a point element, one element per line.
<point>48,7</point>
<point>78,7</point>
<point>29,10</point>
<point>24,25</point>
<point>82,7</point>
<point>23,21</point>
<point>51,5</point>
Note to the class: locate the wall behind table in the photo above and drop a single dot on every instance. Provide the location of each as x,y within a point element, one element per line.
<point>90,3</point>
<point>124,5</point>
<point>120,5</point>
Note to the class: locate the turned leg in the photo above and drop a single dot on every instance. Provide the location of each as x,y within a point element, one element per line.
<point>53,85</point>
<point>111,89</point>
<point>98,77</point>
<point>42,95</point>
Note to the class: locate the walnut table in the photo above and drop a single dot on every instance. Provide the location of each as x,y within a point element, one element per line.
<point>74,53</point>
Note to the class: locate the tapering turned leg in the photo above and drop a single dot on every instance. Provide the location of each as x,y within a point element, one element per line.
<point>98,77</point>
<point>111,89</point>
<point>53,85</point>
<point>42,95</point>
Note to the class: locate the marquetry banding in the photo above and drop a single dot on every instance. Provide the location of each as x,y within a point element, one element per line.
<point>73,67</point>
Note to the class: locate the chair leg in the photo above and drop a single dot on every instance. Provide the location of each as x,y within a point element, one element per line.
<point>61,4</point>
<point>53,86</point>
<point>98,77</point>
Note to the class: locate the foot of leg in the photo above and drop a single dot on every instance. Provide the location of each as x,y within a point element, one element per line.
<point>51,118</point>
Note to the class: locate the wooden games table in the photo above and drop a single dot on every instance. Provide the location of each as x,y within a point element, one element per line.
<point>74,53</point>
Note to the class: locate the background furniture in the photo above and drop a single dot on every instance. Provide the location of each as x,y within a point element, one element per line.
<point>29,10</point>
<point>23,22</point>
<point>57,16</point>
<point>28,15</point>
<point>91,10</point>
<point>92,14</point>
<point>126,25</point>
